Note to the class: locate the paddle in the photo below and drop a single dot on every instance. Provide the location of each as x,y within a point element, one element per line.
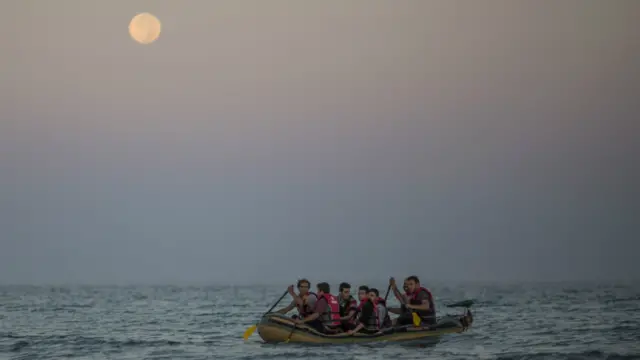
<point>252,328</point>
<point>414,316</point>
<point>416,319</point>
<point>295,326</point>
<point>291,333</point>
<point>465,304</point>
<point>387,294</point>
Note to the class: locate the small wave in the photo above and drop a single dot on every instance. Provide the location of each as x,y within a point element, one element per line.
<point>18,345</point>
<point>520,323</point>
<point>88,341</point>
<point>586,355</point>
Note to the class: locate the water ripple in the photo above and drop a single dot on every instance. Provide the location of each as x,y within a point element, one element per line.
<point>524,321</point>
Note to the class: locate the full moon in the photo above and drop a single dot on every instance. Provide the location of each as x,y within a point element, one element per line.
<point>144,28</point>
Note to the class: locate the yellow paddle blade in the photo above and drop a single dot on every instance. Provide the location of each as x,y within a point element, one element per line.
<point>416,319</point>
<point>295,326</point>
<point>249,332</point>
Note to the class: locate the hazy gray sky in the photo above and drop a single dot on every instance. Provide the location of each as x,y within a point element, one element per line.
<point>448,139</point>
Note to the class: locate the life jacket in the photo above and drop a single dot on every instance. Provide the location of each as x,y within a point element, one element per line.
<point>414,301</point>
<point>356,317</point>
<point>362,302</point>
<point>386,322</point>
<point>374,321</point>
<point>305,309</point>
<point>331,317</point>
<point>347,306</point>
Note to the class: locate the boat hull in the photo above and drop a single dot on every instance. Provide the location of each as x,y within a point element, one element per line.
<point>276,328</point>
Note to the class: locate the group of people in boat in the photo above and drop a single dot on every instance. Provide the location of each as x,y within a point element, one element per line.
<point>332,314</point>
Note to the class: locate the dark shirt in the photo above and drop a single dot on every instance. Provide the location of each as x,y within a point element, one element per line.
<point>422,296</point>
<point>366,313</point>
<point>348,305</point>
<point>427,316</point>
<point>319,323</point>
<point>320,306</point>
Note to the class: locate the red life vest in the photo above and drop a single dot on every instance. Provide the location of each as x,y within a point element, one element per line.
<point>305,309</point>
<point>413,300</point>
<point>333,309</point>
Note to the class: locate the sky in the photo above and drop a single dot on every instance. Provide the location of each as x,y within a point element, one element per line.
<point>265,141</point>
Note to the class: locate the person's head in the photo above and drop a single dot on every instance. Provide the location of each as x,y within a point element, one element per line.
<point>405,286</point>
<point>373,294</point>
<point>413,283</point>
<point>303,286</point>
<point>323,288</point>
<point>362,292</point>
<point>345,290</point>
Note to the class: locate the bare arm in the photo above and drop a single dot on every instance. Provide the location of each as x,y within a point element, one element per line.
<point>367,312</point>
<point>350,315</point>
<point>286,309</point>
<point>398,294</point>
<point>422,307</point>
<point>311,317</point>
<point>424,303</point>
<point>358,328</point>
<point>320,308</point>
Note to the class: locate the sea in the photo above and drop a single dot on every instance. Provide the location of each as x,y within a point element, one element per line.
<point>512,321</point>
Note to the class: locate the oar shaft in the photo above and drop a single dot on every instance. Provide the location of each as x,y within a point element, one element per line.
<point>387,294</point>
<point>277,302</point>
<point>252,328</point>
<point>291,333</point>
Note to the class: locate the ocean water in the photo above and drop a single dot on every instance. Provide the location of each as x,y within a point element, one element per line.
<point>527,321</point>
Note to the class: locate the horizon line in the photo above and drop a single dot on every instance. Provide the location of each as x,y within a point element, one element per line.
<point>625,281</point>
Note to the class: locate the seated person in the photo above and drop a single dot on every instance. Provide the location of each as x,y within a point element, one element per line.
<point>382,309</point>
<point>403,298</point>
<point>325,317</point>
<point>363,296</point>
<point>371,316</point>
<point>420,301</point>
<point>348,306</point>
<point>305,301</point>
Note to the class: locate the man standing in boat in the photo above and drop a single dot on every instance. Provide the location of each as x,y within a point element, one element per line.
<point>304,301</point>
